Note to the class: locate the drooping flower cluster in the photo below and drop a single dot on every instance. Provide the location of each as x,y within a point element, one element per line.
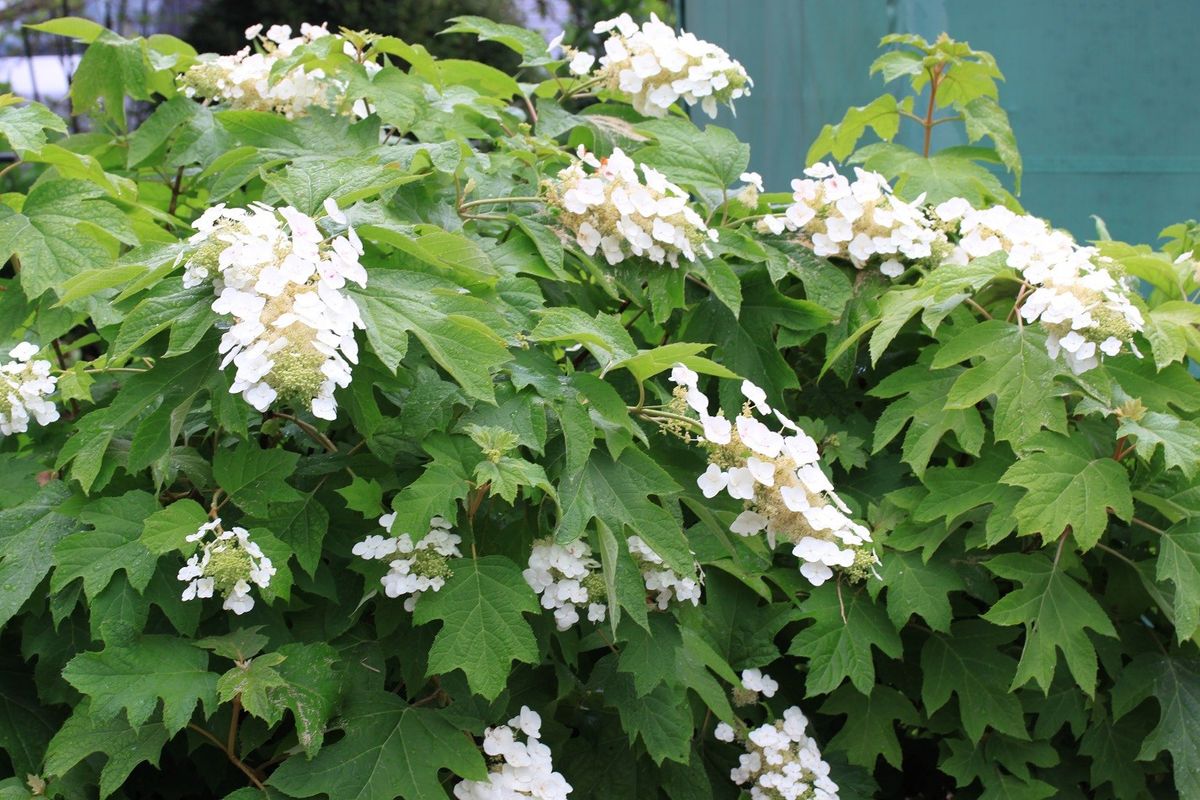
<point>517,769</point>
<point>244,81</point>
<point>282,280</point>
<point>781,762</point>
<point>778,476</point>
<point>859,220</point>
<point>662,582</point>
<point>417,567</point>
<point>609,209</point>
<point>227,564</point>
<point>24,386</point>
<point>1079,296</point>
<point>656,67</point>
<point>567,578</point>
<point>755,683</point>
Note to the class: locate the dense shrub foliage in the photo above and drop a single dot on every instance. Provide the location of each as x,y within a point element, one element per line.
<point>378,425</point>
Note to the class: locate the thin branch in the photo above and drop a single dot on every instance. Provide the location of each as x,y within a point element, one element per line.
<point>312,432</point>
<point>1148,526</point>
<point>969,301</point>
<point>234,718</point>
<point>489,201</point>
<point>175,191</point>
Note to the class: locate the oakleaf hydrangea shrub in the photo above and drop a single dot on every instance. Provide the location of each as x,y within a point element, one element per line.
<point>377,426</point>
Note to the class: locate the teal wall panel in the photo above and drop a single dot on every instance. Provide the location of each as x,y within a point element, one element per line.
<point>1102,94</point>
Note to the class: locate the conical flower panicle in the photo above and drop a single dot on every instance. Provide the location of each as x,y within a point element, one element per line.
<point>609,209</point>
<point>656,67</point>
<point>25,383</point>
<point>777,474</point>
<point>282,281</point>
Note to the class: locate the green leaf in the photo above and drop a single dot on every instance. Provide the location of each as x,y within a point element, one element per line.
<point>603,335</point>
<point>869,730</point>
<point>390,749</point>
<point>1055,611</point>
<point>1179,562</point>
<point>1175,683</point>
<point>254,478</point>
<point>448,323</point>
<point>1179,438</point>
<point>124,745</point>
<point>1015,369</point>
<point>133,678</point>
<point>922,392</point>
<point>25,127</point>
<point>113,544</point>
<point>708,159</point>
<point>311,689</point>
<point>507,475</point>
<point>166,530</point>
<point>649,654</point>
<point>745,344</point>
<point>953,491</point>
<point>1167,389</point>
<point>951,172</point>
<point>617,492</point>
<point>917,587</point>
<point>1068,487</point>
<point>662,718</point>
<point>436,492</point>
<point>982,117</point>
<point>364,496</point>
<point>648,363</point>
<point>169,305</point>
<point>252,681</point>
<point>28,535</point>
<point>968,662</point>
<point>26,724</point>
<point>302,526</point>
<point>64,229</point>
<point>483,631</point>
<point>1171,329</point>
<point>111,68</point>
<point>85,30</point>
<point>880,115</point>
<point>846,626</point>
<point>530,45</point>
<point>241,644</point>
<point>158,128</point>
<point>1113,747</point>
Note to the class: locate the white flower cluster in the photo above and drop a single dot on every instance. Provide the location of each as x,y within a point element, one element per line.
<point>656,67</point>
<point>228,562</point>
<point>567,578</point>
<point>282,281</point>
<point>420,567</point>
<point>244,81</point>
<point>1080,298</point>
<point>781,762</point>
<point>609,209</point>
<point>662,582</point>
<point>24,386</point>
<point>859,220</point>
<point>518,769</point>
<point>779,477</point>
